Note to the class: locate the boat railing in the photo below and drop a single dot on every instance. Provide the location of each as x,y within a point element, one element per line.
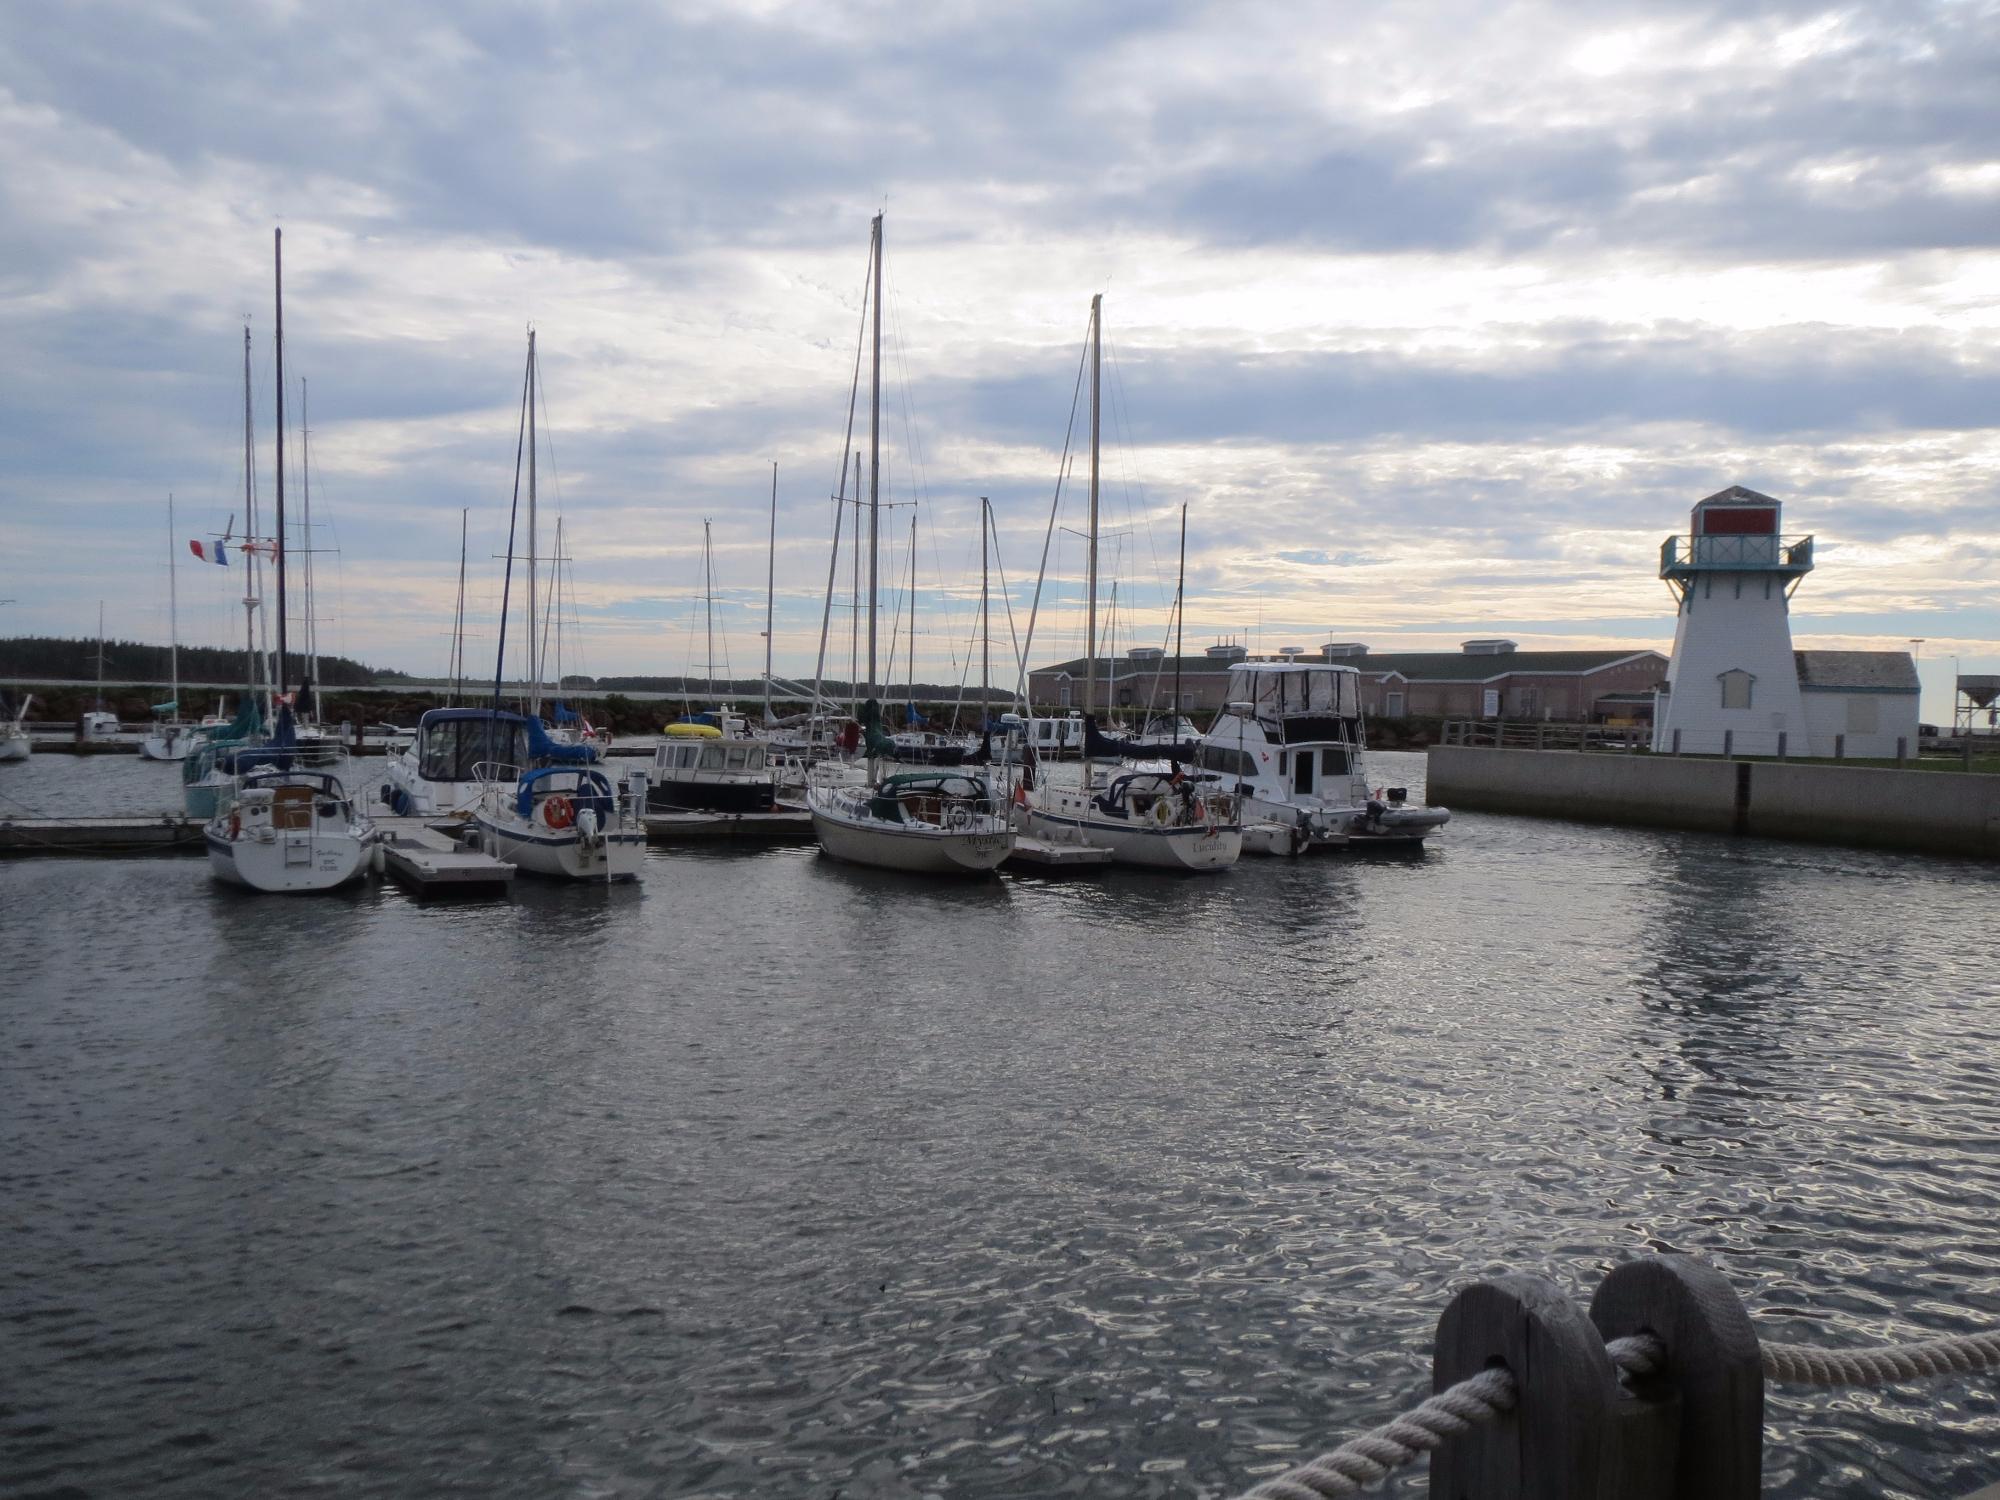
<point>495,772</point>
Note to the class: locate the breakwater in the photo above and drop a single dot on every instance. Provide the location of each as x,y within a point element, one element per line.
<point>1933,811</point>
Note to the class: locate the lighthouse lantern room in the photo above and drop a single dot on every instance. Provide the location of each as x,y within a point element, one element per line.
<point>1733,683</point>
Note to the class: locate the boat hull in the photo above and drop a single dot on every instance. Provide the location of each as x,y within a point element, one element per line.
<point>563,856</point>
<point>695,796</point>
<point>919,851</point>
<point>15,748</point>
<point>175,746</point>
<point>291,863</point>
<point>1210,847</point>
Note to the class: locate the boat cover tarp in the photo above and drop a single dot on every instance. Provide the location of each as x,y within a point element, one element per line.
<point>542,748</point>
<point>1098,745</point>
<point>592,791</point>
<point>879,746</point>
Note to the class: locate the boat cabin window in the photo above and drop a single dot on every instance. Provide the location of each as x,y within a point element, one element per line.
<point>452,747</point>
<point>739,758</point>
<point>756,757</point>
<point>1332,761</point>
<point>711,757</point>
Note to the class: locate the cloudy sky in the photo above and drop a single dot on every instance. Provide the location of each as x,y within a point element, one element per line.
<point>1436,316</point>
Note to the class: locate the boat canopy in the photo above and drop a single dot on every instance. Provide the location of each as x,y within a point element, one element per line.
<point>451,741</point>
<point>1283,691</point>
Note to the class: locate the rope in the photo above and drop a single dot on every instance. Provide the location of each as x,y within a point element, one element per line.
<point>1379,1452</point>
<point>1892,1364</point>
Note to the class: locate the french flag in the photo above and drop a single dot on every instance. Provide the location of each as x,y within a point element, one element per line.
<point>210,552</point>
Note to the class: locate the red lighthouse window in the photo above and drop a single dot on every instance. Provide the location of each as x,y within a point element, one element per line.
<point>1739,520</point>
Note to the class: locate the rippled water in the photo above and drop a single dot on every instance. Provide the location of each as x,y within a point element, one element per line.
<point>776,1177</point>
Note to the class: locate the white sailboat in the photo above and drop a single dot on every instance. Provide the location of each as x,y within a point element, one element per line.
<point>549,812</point>
<point>14,741</point>
<point>1160,818</point>
<point>171,738</point>
<point>935,821</point>
<point>98,723</point>
<point>285,829</point>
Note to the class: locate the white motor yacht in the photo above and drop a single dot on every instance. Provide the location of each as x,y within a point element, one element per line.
<point>1292,739</point>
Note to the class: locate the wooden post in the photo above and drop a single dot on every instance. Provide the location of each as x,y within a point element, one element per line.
<point>1902,751</point>
<point>1965,753</point>
<point>1552,1445</point>
<point>1781,744</point>
<point>1541,732</point>
<point>1711,1377</point>
<point>1840,747</point>
<point>1728,743</point>
<point>1677,741</point>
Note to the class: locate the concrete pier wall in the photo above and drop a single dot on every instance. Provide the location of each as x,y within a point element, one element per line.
<point>1935,811</point>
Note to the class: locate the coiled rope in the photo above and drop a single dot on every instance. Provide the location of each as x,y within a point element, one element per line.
<point>1379,1452</point>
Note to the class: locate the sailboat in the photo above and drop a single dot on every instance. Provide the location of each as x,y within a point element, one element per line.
<point>936,821</point>
<point>171,738</point>
<point>1153,815</point>
<point>98,724</point>
<point>14,741</point>
<point>285,828</point>
<point>550,811</point>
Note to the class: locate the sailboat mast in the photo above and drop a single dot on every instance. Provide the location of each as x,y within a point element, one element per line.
<point>708,592</point>
<point>278,295</point>
<point>306,501</point>
<point>854,611</point>
<point>100,653</point>
<point>534,646</point>
<point>1180,621</point>
<point>249,533</point>
<point>458,617</point>
<point>910,666</point>
<point>173,610</point>
<point>874,455</point>
<point>985,616</point>
<point>770,590</point>
<point>1090,644</point>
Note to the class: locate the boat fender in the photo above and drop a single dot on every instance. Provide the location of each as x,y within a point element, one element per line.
<point>1201,809</point>
<point>235,823</point>
<point>1020,795</point>
<point>559,812</point>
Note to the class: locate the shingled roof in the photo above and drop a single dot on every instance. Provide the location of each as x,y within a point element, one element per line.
<point>1413,666</point>
<point>1856,671</point>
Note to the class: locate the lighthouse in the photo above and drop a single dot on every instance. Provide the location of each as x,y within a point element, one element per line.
<point>1733,684</point>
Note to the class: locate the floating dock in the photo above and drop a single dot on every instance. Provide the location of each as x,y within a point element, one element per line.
<point>430,860</point>
<point>159,834</point>
<point>1043,854</point>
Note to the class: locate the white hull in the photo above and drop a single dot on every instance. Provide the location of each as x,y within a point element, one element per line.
<point>1215,847</point>
<point>15,747</point>
<point>428,799</point>
<point>288,862</point>
<point>170,744</point>
<point>922,851</point>
<point>608,856</point>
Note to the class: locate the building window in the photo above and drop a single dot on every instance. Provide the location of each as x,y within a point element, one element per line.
<point>1864,714</point>
<point>1736,686</point>
<point>1395,709</point>
<point>1062,692</point>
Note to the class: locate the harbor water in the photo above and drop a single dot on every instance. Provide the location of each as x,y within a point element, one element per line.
<point>775,1177</point>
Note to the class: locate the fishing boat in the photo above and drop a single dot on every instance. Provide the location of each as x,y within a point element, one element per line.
<point>283,828</point>
<point>14,741</point>
<point>1293,741</point>
<point>289,831</point>
<point>1155,815</point>
<point>171,738</point>
<point>715,767</point>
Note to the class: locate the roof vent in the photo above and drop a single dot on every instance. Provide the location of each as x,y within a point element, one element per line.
<point>1342,650</point>
<point>1487,648</point>
<point>1147,653</point>
<point>1226,653</point>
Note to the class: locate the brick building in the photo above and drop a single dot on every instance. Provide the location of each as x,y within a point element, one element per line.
<point>1482,679</point>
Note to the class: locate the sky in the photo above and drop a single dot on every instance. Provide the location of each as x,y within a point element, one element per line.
<point>1437,317</point>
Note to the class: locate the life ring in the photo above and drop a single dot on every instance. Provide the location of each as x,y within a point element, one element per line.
<point>1020,795</point>
<point>558,812</point>
<point>958,816</point>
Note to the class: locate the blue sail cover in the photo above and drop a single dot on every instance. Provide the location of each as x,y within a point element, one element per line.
<point>564,715</point>
<point>546,749</point>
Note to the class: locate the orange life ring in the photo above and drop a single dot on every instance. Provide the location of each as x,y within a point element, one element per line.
<point>558,812</point>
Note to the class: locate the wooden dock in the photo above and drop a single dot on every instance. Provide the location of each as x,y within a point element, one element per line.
<point>786,825</point>
<point>1046,855</point>
<point>160,834</point>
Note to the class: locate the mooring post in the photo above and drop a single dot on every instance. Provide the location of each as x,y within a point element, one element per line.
<point>1840,747</point>
<point>1728,743</point>
<point>1709,1389</point>
<point>1677,741</point>
<point>1781,744</point>
<point>1552,1445</point>
<point>1902,751</point>
<point>1541,736</point>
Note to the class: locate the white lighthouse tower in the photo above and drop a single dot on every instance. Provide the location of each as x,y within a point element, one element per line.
<point>1733,684</point>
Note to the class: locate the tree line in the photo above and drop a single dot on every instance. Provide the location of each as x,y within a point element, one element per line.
<point>135,661</point>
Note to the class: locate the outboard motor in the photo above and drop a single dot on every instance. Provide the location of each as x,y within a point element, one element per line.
<point>1399,794</point>
<point>586,826</point>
